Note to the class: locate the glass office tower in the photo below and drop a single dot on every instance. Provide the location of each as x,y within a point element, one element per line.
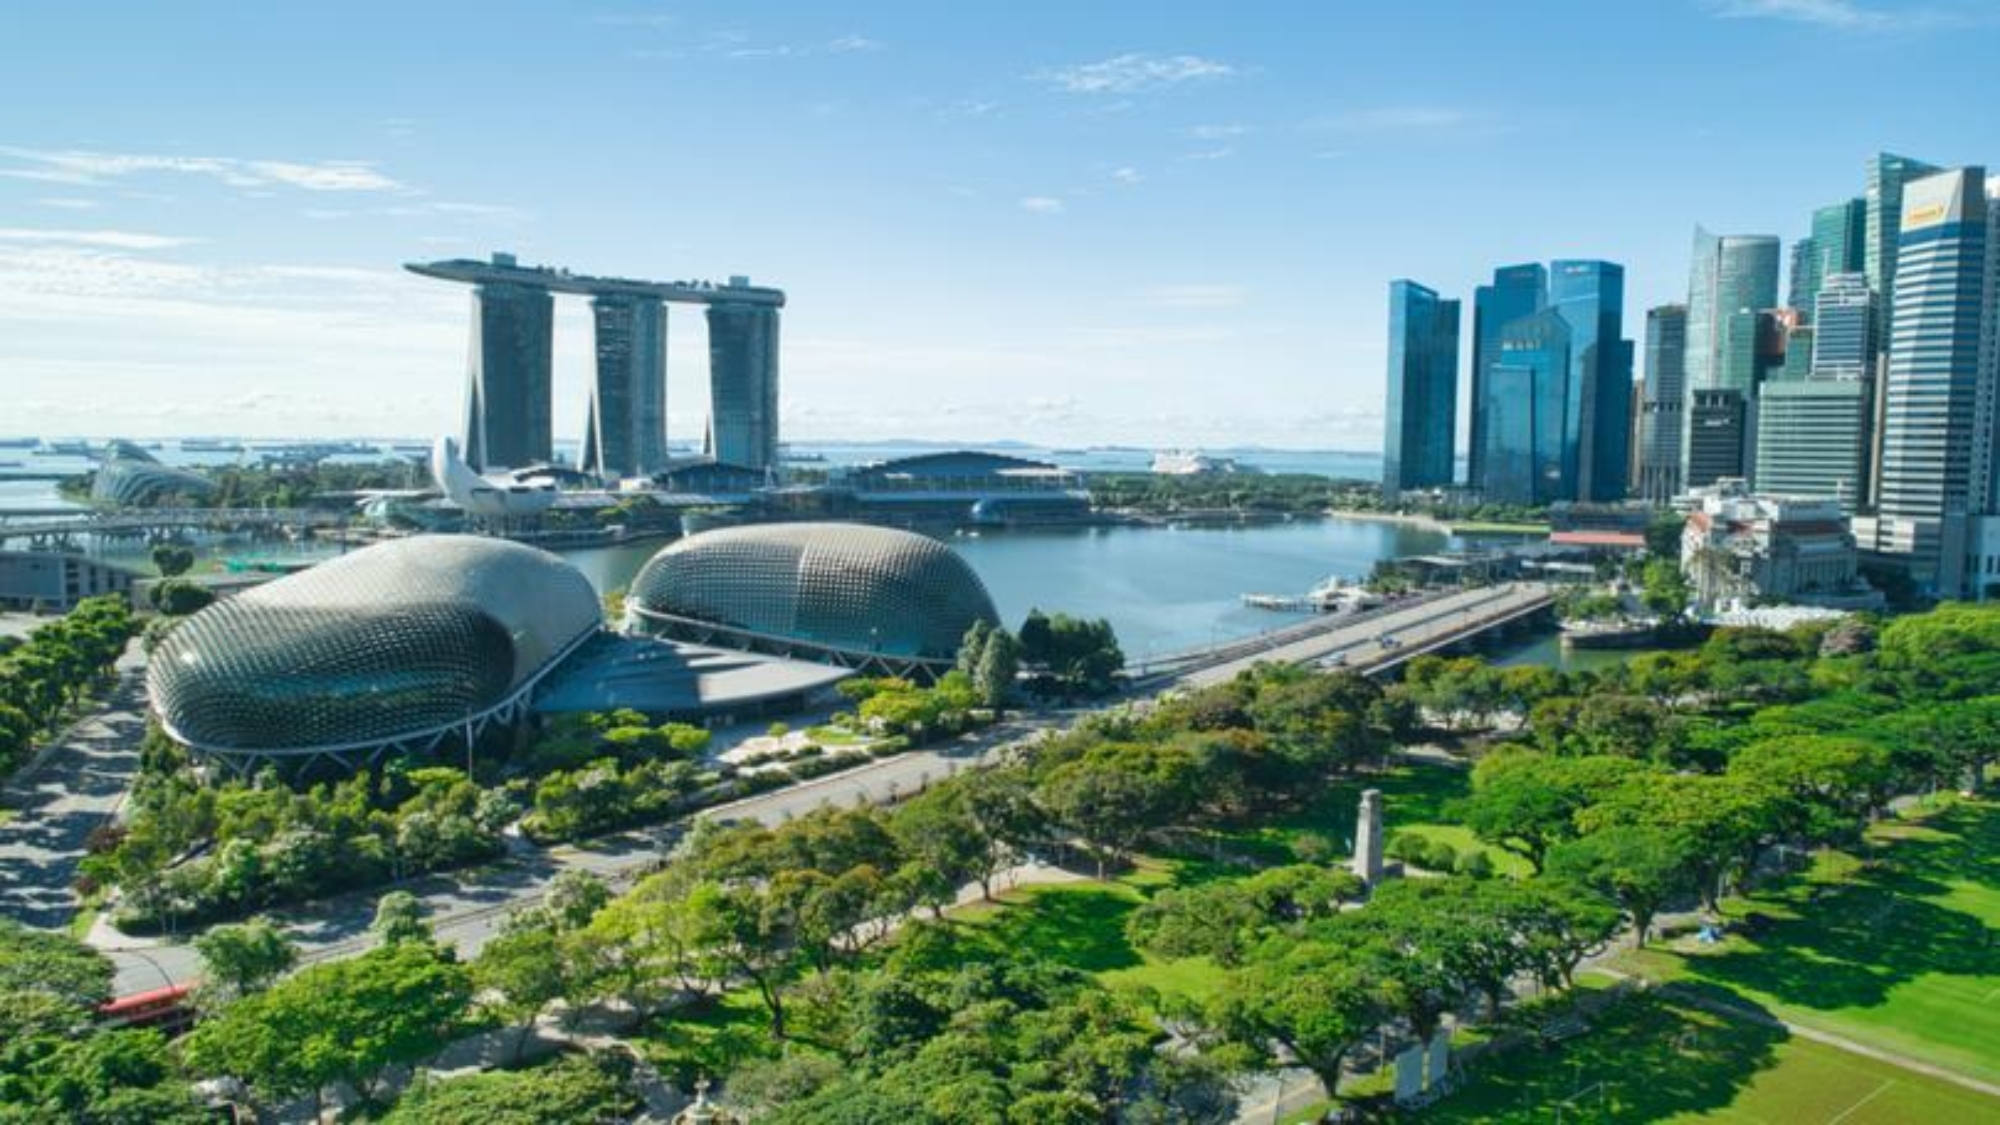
<point>1517,292</point>
<point>1844,328</point>
<point>1881,220</point>
<point>1662,410</point>
<point>1729,274</point>
<point>1590,297</point>
<point>1422,402</point>
<point>1812,439</point>
<point>1527,429</point>
<point>1936,448</point>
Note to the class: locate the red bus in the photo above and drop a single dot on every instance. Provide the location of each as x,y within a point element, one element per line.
<point>169,1009</point>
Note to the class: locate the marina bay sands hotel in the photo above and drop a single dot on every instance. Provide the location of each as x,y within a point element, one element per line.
<point>510,389</point>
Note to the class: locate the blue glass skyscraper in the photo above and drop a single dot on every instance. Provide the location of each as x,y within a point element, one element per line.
<point>1517,292</point>
<point>1597,428</point>
<point>1422,403</point>
<point>1526,428</point>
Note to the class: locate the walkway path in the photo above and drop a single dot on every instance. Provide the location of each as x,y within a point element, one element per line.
<point>75,786</point>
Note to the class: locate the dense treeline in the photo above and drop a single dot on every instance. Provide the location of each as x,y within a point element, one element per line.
<point>45,675</point>
<point>1274,494</point>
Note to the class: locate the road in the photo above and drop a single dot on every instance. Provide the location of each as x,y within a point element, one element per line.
<point>76,785</point>
<point>1412,628</point>
<point>466,908</point>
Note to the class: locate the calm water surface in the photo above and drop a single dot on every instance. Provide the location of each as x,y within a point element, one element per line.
<point>1162,588</point>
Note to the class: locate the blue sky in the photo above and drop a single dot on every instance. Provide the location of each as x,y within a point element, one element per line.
<point>1131,222</point>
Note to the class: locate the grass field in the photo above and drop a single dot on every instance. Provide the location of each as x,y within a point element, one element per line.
<point>1082,925</point>
<point>1652,1060</point>
<point>1415,798</point>
<point>1898,952</point>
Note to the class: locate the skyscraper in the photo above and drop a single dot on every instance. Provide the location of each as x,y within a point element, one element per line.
<point>743,382</point>
<point>1812,439</point>
<point>625,426</point>
<point>1517,291</point>
<point>1716,436</point>
<point>1834,246</point>
<point>1597,427</point>
<point>1937,457</point>
<point>1844,328</point>
<point>508,384</point>
<point>1422,404</point>
<point>1887,174</point>
<point>1729,274</point>
<point>1526,428</point>
<point>1662,414</point>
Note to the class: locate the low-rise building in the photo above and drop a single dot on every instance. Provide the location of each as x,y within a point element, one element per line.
<point>1742,546</point>
<point>54,581</point>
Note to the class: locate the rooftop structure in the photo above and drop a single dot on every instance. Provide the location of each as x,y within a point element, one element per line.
<point>504,269</point>
<point>509,380</point>
<point>399,646</point>
<point>846,594</point>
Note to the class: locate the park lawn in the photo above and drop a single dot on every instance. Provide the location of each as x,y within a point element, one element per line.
<point>1415,798</point>
<point>1654,1060</point>
<point>1082,925</point>
<point>1897,953</point>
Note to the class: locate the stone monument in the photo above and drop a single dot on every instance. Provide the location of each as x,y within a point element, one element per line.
<point>1368,837</point>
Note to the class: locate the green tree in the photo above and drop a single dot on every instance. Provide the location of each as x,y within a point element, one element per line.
<point>1639,867</point>
<point>337,1021</point>
<point>172,559</point>
<point>999,665</point>
<point>60,967</point>
<point>178,597</point>
<point>399,918</point>
<point>245,957</point>
<point>1309,999</point>
<point>972,648</point>
<point>1665,588</point>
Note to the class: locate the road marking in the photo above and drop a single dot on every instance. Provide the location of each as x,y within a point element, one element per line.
<point>1843,1115</point>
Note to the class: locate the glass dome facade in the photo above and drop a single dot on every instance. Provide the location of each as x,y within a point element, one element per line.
<point>390,643</point>
<point>848,590</point>
<point>130,477</point>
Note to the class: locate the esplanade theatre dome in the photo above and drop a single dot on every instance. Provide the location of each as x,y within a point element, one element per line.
<point>391,645</point>
<point>847,593</point>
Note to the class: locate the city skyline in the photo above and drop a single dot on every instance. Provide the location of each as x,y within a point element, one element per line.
<point>987,236</point>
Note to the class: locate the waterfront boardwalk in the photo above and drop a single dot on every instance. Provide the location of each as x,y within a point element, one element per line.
<point>1367,643</point>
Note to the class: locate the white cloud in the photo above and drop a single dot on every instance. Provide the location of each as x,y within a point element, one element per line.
<point>107,239</point>
<point>1221,152</point>
<point>1127,175</point>
<point>1839,14</point>
<point>1217,132</point>
<point>1133,73</point>
<point>67,203</point>
<point>1856,17</point>
<point>1042,205</point>
<point>83,167</point>
<point>1393,119</point>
